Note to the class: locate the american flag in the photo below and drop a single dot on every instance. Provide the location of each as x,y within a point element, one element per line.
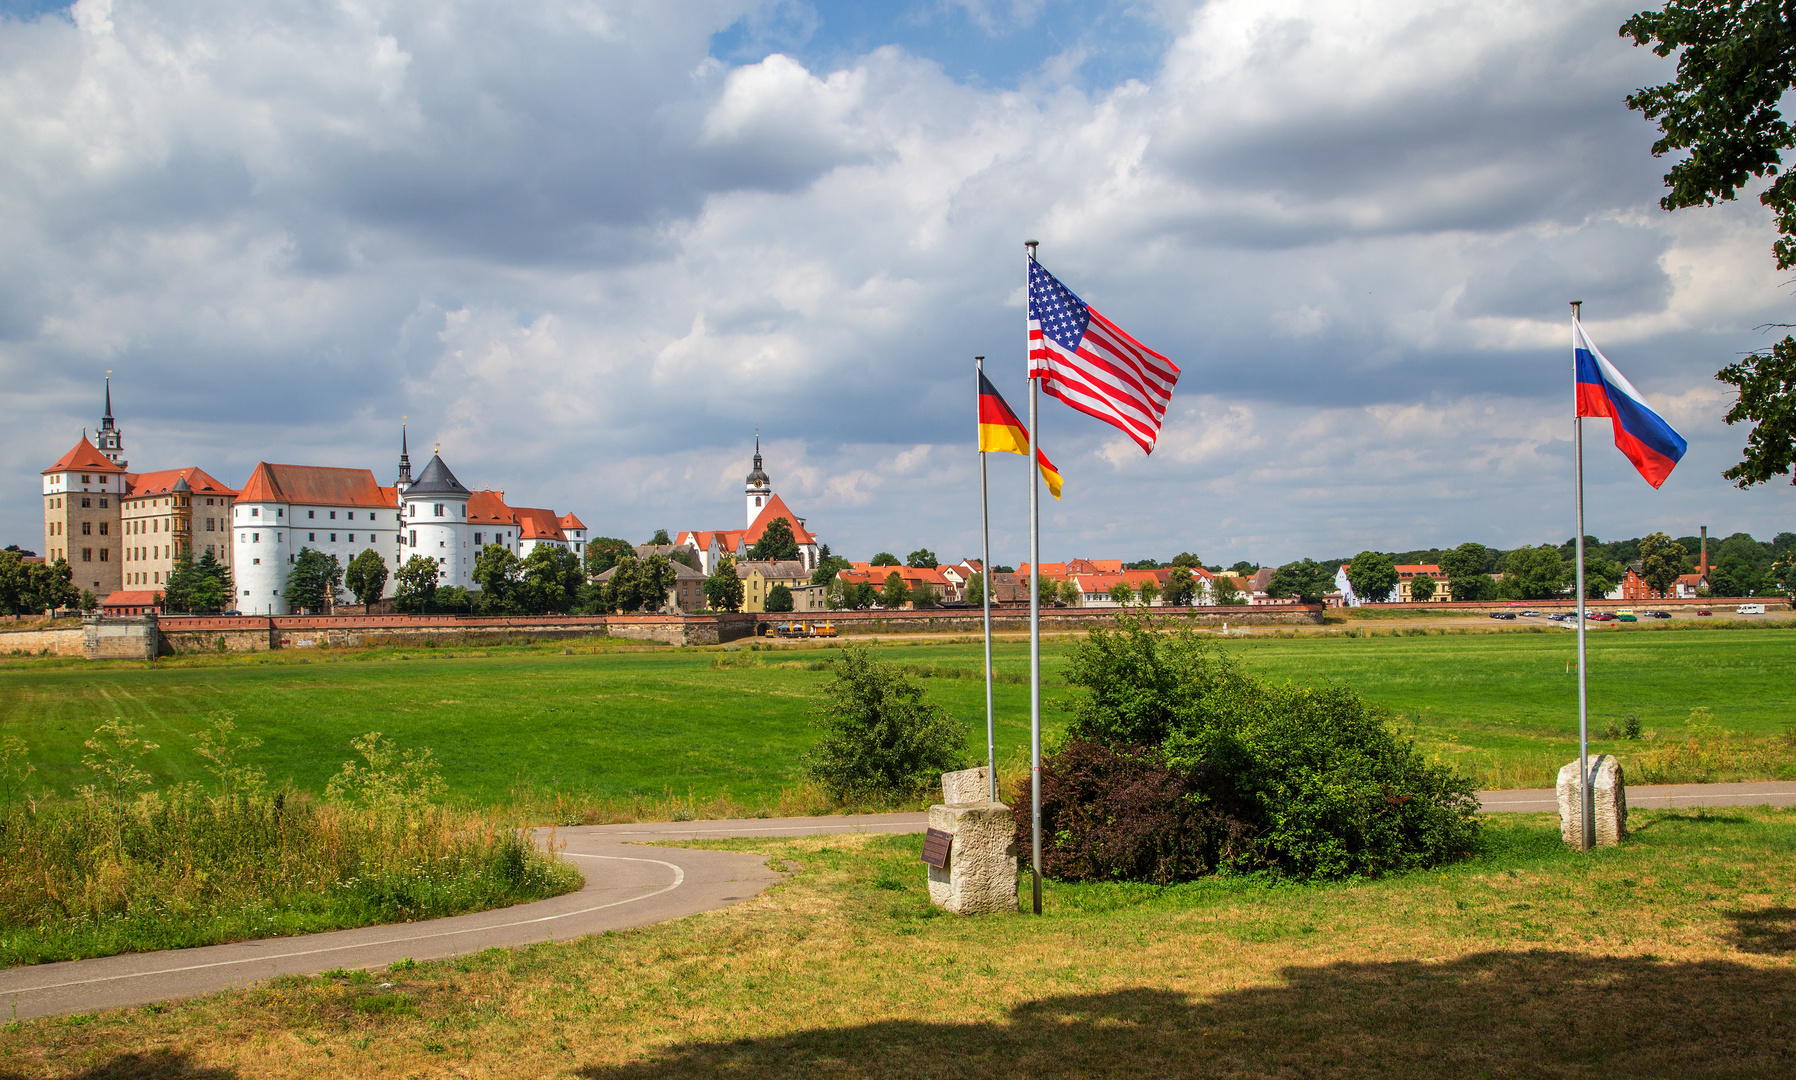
<point>1088,362</point>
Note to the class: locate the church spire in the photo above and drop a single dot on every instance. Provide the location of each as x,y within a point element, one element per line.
<point>109,440</point>
<point>405,461</point>
<point>758,488</point>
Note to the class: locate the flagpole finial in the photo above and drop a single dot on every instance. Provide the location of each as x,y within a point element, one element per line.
<point>1577,307</point>
<point>1032,245</point>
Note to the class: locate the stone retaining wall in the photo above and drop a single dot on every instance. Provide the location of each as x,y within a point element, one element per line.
<point>66,641</point>
<point>1053,620</point>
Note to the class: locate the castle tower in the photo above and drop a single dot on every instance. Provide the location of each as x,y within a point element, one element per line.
<point>405,464</point>
<point>109,439</point>
<point>435,512</point>
<point>758,488</point>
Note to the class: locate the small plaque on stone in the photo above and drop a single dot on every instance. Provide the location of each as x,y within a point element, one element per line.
<point>935,847</point>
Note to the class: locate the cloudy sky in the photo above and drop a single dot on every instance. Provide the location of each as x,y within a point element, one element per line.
<point>589,246</point>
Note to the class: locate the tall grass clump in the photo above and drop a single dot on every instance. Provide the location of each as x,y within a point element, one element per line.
<point>1176,764</point>
<point>121,867</point>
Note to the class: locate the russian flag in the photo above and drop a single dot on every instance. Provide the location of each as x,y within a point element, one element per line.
<point>1640,433</point>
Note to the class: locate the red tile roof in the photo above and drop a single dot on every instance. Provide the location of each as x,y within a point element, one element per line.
<point>133,598</point>
<point>313,485</point>
<point>535,523</point>
<point>488,508</point>
<point>161,483</point>
<point>83,456</point>
<point>776,508</point>
<point>569,521</point>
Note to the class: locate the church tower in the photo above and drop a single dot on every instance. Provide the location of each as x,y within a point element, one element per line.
<point>109,439</point>
<point>405,464</point>
<point>759,488</point>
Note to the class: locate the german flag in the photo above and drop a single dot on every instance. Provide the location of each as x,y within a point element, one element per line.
<point>1002,433</point>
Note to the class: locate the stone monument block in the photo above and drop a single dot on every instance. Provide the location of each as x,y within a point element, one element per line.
<point>967,786</point>
<point>980,877</point>
<point>1611,800</point>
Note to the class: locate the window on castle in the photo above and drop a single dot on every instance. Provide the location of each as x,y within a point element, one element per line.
<point>311,513</point>
<point>87,554</point>
<point>333,538</point>
<point>333,515</point>
<point>87,528</point>
<point>414,538</point>
<point>209,527</point>
<point>255,511</point>
<point>104,555</point>
<point>439,509</point>
<point>102,504</point>
<point>352,538</point>
<point>477,537</point>
<point>311,536</point>
<point>84,479</point>
<point>86,502</point>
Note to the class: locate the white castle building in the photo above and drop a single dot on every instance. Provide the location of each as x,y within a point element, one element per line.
<point>344,512</point>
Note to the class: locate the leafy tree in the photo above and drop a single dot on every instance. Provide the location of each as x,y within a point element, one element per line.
<point>89,602</point>
<point>855,595</point>
<point>1662,560</point>
<point>1226,592</point>
<point>496,571</point>
<point>1143,564</point>
<point>1421,588</point>
<point>625,589</point>
<point>660,538</point>
<point>603,552</point>
<point>415,586</point>
<point>723,589</point>
<point>655,578</point>
<point>828,566</point>
<point>779,599</point>
<point>1533,573</point>
<point>1601,576</point>
<point>549,580</point>
<point>885,558</point>
<point>881,736</point>
<point>366,576</point>
<point>686,556</point>
<point>1305,579</point>
<point>1181,586</point>
<point>1783,574</point>
<point>921,559</point>
<point>1736,61</point>
<point>1464,565</point>
<point>776,542</point>
<point>1149,592</point>
<point>1187,560</point>
<point>31,588</point>
<point>453,598</point>
<point>203,586</point>
<point>895,594</point>
<point>1067,592</point>
<point>313,582</point>
<point>975,590</point>
<point>1002,569</point>
<point>1245,567</point>
<point>925,596</point>
<point>1373,577</point>
<point>1120,593</point>
<point>12,582</point>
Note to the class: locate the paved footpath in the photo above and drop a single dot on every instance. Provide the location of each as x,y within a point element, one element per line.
<point>626,885</point>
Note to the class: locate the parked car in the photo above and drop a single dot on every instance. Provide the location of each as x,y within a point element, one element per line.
<point>231,614</point>
<point>1601,616</point>
<point>1705,613</point>
<point>1750,609</point>
<point>1657,614</point>
<point>1502,614</point>
<point>1627,618</point>
<point>1531,614</point>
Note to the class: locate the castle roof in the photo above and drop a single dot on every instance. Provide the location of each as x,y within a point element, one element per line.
<point>488,507</point>
<point>82,457</point>
<point>314,485</point>
<point>198,482</point>
<point>535,523</point>
<point>437,480</point>
<point>569,521</point>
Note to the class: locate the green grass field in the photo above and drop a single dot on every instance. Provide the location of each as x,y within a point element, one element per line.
<point>603,720</point>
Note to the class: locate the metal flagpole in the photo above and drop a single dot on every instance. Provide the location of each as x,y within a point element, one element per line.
<point>1034,615</point>
<point>985,570</point>
<point>1586,797</point>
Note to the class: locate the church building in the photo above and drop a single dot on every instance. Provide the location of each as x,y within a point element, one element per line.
<point>763,506</point>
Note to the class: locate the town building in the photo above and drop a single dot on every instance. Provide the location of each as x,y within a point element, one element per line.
<point>759,578</point>
<point>169,514</point>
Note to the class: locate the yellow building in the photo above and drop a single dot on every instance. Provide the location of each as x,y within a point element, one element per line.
<point>759,577</point>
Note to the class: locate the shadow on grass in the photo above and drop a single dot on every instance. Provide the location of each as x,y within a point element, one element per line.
<point>1491,1014</point>
<point>1770,931</point>
<point>159,1065</point>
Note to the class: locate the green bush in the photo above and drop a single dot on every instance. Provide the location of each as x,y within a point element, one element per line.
<point>881,738</point>
<point>1293,781</point>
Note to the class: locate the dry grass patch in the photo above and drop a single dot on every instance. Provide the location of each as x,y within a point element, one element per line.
<point>1670,957</point>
